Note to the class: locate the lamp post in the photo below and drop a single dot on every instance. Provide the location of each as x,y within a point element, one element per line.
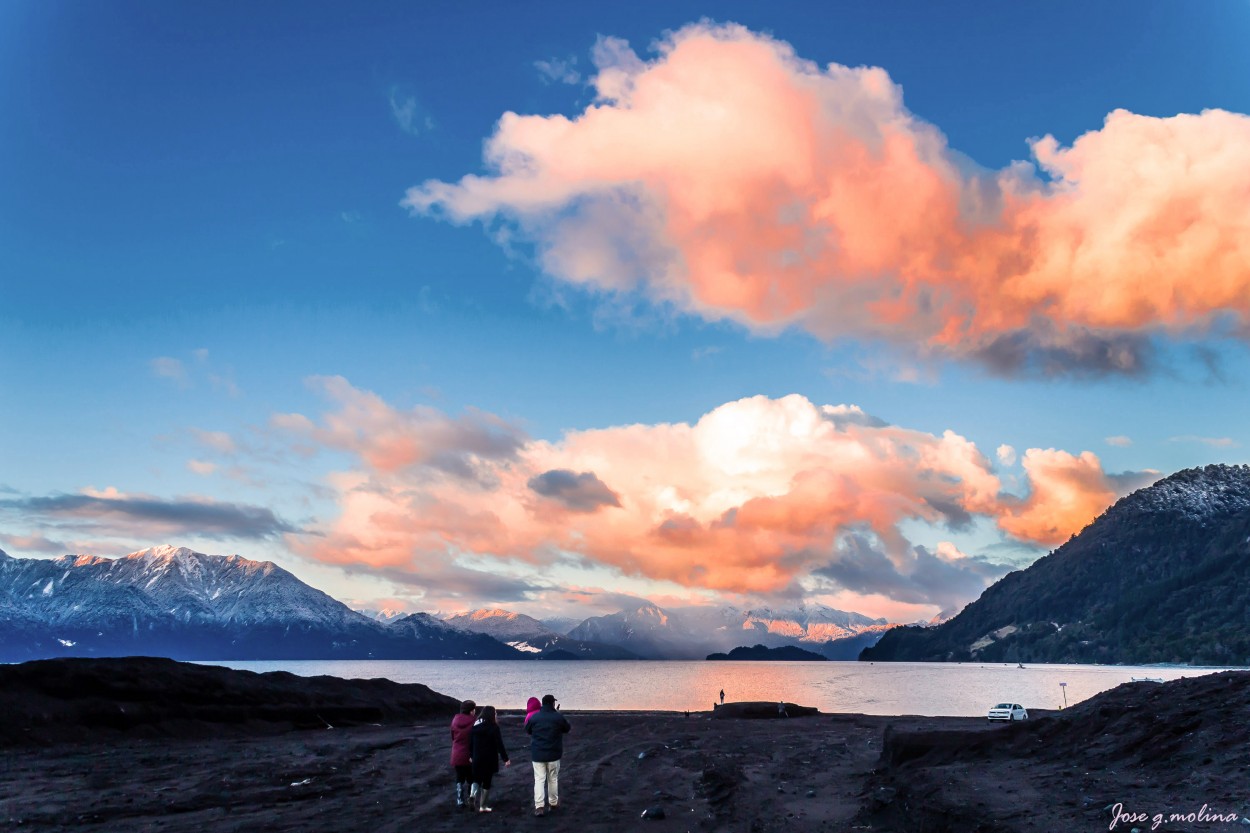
<point>1064,688</point>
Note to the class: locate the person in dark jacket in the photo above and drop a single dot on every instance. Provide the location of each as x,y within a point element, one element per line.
<point>547,728</point>
<point>486,749</point>
<point>461,725</point>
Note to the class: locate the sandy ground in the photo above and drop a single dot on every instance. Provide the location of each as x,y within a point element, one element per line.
<point>1149,748</point>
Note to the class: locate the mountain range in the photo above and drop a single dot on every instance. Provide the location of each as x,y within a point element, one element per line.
<point>529,635</point>
<point>1163,576</point>
<point>694,632</point>
<point>174,602</point>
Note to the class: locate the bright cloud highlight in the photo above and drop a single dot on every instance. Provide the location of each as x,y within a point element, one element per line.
<point>755,497</point>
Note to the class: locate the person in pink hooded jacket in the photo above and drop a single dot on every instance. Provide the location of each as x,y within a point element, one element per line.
<point>461,727</point>
<point>530,707</point>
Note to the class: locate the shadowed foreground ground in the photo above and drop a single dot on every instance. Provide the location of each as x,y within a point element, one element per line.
<point>1151,748</point>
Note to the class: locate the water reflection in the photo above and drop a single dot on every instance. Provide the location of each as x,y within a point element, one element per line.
<point>880,688</point>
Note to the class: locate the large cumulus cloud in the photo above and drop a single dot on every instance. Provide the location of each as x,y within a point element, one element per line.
<point>753,498</point>
<point>732,179</point>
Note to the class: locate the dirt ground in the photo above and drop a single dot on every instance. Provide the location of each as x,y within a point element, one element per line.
<point>1148,748</point>
<point>757,775</point>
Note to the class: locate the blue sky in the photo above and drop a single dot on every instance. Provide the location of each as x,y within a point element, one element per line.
<point>201,223</point>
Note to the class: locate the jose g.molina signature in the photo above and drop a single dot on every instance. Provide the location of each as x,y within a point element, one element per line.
<point>1122,816</point>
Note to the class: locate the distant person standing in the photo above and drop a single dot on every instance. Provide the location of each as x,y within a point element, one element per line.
<point>461,726</point>
<point>722,696</point>
<point>781,709</point>
<point>486,749</point>
<point>547,728</point>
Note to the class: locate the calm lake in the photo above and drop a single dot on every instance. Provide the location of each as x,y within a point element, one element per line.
<point>956,689</point>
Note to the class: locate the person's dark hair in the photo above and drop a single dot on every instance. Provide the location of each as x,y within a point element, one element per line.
<point>549,699</point>
<point>488,715</point>
<point>467,707</point>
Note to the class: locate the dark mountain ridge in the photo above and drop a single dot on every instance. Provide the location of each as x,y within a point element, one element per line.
<point>1161,576</point>
<point>758,653</point>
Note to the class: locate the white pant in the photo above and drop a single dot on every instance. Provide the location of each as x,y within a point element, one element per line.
<point>546,783</point>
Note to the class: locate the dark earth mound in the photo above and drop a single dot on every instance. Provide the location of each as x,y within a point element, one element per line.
<point>1151,748</point>
<point>67,699</point>
<point>760,710</point>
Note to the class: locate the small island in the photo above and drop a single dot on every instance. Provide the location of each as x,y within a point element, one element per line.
<point>760,653</point>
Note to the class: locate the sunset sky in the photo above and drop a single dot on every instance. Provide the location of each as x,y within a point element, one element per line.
<point>557,306</point>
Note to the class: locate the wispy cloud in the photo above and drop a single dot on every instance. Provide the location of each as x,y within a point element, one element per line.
<point>408,113</point>
<point>165,367</point>
<point>701,353</point>
<point>1119,441</point>
<point>201,467</point>
<point>110,512</point>
<point>201,369</point>
<point>1214,442</point>
<point>392,440</point>
<point>730,178</point>
<point>218,441</point>
<point>34,543</point>
<point>559,70</point>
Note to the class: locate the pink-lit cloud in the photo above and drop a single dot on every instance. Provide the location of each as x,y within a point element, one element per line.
<point>750,499</point>
<point>732,179</point>
<point>1067,492</point>
<point>390,440</point>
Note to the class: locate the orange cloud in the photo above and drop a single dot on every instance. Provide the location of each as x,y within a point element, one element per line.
<point>1067,493</point>
<point>751,498</point>
<point>734,180</point>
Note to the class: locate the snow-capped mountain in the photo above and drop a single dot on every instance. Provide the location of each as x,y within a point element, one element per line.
<point>560,624</point>
<point>529,635</point>
<point>1163,575</point>
<point>695,632</point>
<point>384,615</point>
<point>456,643</point>
<point>504,625</point>
<point>810,623</point>
<point>175,602</point>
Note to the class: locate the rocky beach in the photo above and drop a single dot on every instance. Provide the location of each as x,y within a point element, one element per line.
<point>148,745</point>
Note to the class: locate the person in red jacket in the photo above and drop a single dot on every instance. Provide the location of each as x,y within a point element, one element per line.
<point>461,727</point>
<point>532,706</point>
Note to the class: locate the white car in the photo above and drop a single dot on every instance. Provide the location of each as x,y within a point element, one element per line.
<point>1008,711</point>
